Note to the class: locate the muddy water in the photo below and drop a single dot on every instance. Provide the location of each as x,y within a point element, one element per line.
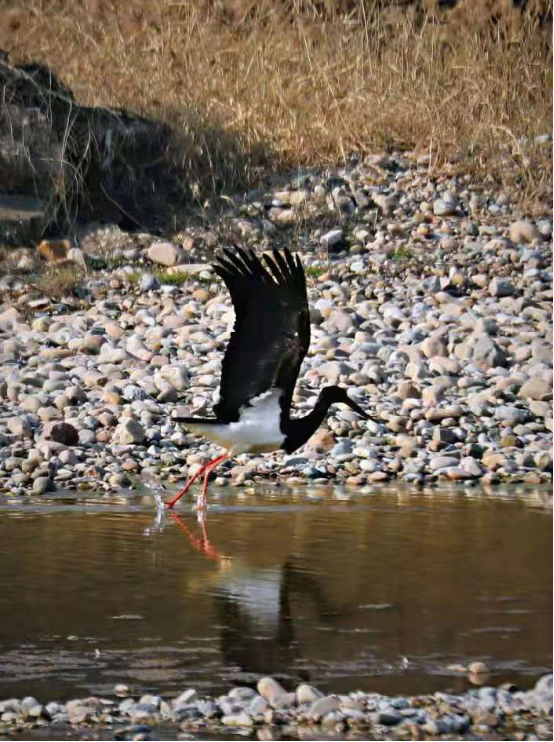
<point>383,591</point>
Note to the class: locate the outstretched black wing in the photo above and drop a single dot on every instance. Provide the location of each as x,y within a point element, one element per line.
<point>271,335</point>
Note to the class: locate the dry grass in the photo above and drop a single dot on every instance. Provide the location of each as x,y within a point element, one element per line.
<point>57,282</point>
<point>253,86</point>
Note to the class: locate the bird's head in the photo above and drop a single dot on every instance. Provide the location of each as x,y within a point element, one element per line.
<point>334,394</point>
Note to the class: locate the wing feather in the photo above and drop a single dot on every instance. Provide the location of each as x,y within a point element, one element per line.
<point>271,335</point>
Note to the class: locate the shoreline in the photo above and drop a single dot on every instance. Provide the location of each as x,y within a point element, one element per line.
<point>272,713</point>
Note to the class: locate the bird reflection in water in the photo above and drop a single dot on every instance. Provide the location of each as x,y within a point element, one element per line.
<point>257,608</point>
<point>202,544</point>
<point>252,605</point>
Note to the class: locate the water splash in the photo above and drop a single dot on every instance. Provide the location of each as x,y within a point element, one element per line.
<point>159,520</point>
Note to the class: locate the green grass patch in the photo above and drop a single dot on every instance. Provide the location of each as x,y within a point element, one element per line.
<point>315,271</point>
<point>403,253</point>
<point>172,279</point>
<point>133,277</point>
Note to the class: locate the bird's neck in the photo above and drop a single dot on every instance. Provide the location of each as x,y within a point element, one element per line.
<point>298,431</point>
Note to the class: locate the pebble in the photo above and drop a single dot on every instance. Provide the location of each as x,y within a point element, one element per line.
<point>523,231</point>
<point>501,287</point>
<point>269,688</point>
<point>61,433</point>
<point>129,431</point>
<point>332,239</point>
<point>323,706</point>
<point>165,253</point>
<point>241,719</point>
<point>148,282</point>
<point>441,207</point>
<point>307,693</point>
<point>42,485</point>
<point>535,387</point>
<point>478,667</point>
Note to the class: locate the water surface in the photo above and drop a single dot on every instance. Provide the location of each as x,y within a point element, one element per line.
<point>380,591</point>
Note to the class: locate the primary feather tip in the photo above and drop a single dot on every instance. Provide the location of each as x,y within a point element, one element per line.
<point>279,266</point>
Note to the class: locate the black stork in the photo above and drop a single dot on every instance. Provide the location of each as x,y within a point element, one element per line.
<point>270,338</point>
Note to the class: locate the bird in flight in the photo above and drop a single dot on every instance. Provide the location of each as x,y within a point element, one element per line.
<point>270,338</point>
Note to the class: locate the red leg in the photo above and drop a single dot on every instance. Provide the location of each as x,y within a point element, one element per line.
<point>171,504</point>
<point>207,467</point>
<point>211,466</point>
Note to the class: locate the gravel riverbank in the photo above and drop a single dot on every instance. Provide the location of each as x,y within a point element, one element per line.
<point>431,301</point>
<point>271,713</point>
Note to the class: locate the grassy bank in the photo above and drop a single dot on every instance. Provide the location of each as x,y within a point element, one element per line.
<point>251,87</point>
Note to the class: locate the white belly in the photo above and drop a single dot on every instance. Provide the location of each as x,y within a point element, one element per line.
<point>257,430</point>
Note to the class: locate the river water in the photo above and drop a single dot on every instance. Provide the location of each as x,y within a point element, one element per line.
<point>385,590</point>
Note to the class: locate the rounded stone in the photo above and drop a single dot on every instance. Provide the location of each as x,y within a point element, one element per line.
<point>61,433</point>
<point>322,706</point>
<point>441,207</point>
<point>269,688</point>
<point>478,667</point>
<point>42,485</point>
<point>165,253</point>
<point>242,719</point>
<point>129,431</point>
<point>523,231</point>
<point>307,693</point>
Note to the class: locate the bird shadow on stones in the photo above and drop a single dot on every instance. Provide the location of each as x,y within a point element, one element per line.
<point>111,165</point>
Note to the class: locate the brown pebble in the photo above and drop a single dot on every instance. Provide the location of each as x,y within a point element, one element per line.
<point>488,719</point>
<point>201,295</point>
<point>112,398</point>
